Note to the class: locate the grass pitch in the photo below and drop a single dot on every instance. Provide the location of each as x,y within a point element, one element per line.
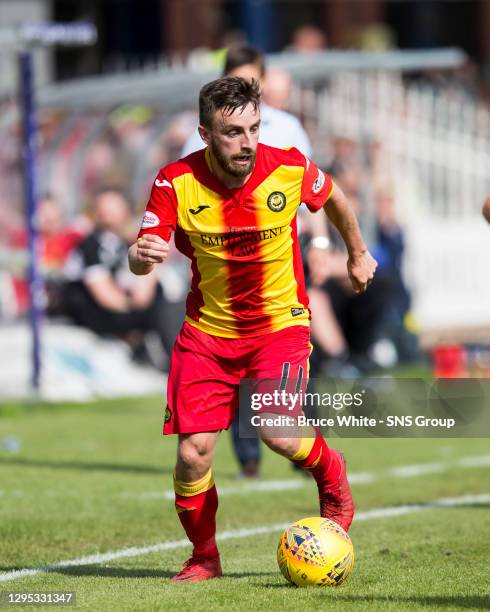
<point>97,478</point>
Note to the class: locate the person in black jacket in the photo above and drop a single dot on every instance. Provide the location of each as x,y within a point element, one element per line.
<point>101,293</point>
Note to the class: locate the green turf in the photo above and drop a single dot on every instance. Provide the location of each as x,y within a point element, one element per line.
<point>86,477</point>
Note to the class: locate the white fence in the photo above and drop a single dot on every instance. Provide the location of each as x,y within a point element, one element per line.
<point>436,142</point>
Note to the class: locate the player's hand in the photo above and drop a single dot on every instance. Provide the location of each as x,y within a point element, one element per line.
<point>361,270</point>
<point>151,249</point>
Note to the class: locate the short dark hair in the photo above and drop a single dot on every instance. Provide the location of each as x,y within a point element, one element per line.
<point>108,189</point>
<point>242,56</point>
<point>227,94</point>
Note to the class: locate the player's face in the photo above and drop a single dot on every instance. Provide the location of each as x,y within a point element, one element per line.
<point>233,140</point>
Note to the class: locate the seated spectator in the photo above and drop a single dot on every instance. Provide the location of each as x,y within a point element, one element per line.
<point>102,295</point>
<point>56,242</point>
<point>347,325</point>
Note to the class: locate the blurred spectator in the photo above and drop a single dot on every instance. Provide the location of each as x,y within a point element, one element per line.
<point>101,293</point>
<point>389,251</point>
<point>373,37</point>
<point>347,327</point>
<point>308,39</point>
<point>277,128</point>
<point>346,165</point>
<point>108,162</point>
<point>172,139</point>
<point>277,88</point>
<point>56,242</point>
<point>131,124</point>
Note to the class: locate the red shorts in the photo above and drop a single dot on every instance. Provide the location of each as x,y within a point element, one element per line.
<point>205,373</point>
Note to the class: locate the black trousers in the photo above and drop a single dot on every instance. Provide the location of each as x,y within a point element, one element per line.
<point>162,317</point>
<point>249,449</point>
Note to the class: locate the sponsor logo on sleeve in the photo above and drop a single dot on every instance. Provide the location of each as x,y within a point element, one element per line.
<point>320,181</point>
<point>163,183</point>
<point>149,220</point>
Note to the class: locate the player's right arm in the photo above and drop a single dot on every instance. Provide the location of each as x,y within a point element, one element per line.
<point>147,251</point>
<point>159,221</point>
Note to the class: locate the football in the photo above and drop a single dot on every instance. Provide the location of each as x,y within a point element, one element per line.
<point>315,551</point>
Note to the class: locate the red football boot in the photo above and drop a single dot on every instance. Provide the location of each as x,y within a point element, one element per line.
<point>336,502</point>
<point>199,568</point>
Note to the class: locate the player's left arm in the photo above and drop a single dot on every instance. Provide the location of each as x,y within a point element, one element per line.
<point>361,265</point>
<point>316,189</point>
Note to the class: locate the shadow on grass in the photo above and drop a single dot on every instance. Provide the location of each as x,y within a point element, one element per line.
<point>80,465</point>
<point>135,572</point>
<point>96,570</point>
<point>478,506</point>
<point>112,572</point>
<point>434,602</point>
<point>123,572</point>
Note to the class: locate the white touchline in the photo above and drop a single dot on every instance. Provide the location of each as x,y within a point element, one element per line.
<point>235,534</point>
<point>355,478</point>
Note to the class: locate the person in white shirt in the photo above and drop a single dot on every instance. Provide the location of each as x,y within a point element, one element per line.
<point>277,127</point>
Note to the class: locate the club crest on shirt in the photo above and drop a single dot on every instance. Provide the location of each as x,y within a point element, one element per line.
<point>276,201</point>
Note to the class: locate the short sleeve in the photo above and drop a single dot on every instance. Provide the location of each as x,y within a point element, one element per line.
<point>317,186</point>
<point>85,262</point>
<point>160,216</point>
<point>89,252</point>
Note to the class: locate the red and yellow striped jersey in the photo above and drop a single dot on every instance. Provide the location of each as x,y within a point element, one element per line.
<point>247,274</point>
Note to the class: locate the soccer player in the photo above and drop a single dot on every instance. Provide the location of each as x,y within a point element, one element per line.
<point>282,130</point>
<point>233,208</point>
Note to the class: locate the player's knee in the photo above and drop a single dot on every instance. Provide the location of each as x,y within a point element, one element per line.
<point>282,446</point>
<point>194,455</point>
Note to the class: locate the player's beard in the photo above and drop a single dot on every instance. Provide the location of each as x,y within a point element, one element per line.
<point>227,163</point>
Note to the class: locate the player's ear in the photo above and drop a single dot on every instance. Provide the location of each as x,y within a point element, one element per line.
<point>204,134</point>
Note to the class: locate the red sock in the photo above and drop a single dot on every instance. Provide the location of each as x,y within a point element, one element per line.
<point>315,456</point>
<point>196,504</point>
